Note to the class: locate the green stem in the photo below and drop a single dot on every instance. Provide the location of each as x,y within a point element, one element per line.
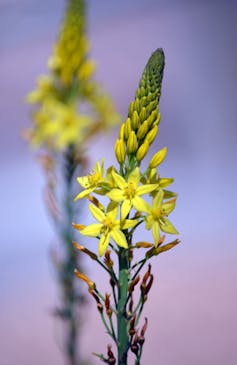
<point>122,321</point>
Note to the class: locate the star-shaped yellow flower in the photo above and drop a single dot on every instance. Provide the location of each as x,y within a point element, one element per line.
<point>92,181</point>
<point>108,227</point>
<point>156,218</point>
<point>129,192</point>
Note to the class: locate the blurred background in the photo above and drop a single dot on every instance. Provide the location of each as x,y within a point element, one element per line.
<point>192,307</point>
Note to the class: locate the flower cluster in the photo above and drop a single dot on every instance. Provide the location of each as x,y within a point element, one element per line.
<point>58,120</point>
<point>135,196</point>
<point>127,186</point>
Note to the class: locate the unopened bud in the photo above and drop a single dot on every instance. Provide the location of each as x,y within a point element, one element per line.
<point>152,117</point>
<point>151,135</point>
<point>142,131</point>
<point>142,151</point>
<point>142,115</point>
<point>119,151</point>
<point>137,105</point>
<point>131,109</point>
<point>144,101</point>
<point>132,143</point>
<point>135,120</point>
<point>121,132</point>
<point>158,158</point>
<point>157,121</point>
<point>127,128</point>
<point>152,105</point>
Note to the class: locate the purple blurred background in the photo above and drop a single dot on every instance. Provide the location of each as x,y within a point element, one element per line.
<point>192,308</point>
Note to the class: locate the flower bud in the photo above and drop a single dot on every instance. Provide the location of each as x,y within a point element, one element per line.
<point>142,114</point>
<point>158,158</point>
<point>86,70</point>
<point>127,128</point>
<point>157,121</point>
<point>135,120</point>
<point>151,135</point>
<point>121,132</point>
<point>152,117</point>
<point>132,143</point>
<point>119,151</point>
<point>131,108</point>
<point>152,105</point>
<point>142,131</point>
<point>142,151</point>
<point>137,105</point>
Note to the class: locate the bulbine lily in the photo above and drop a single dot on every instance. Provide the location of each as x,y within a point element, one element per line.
<point>129,192</point>
<point>108,227</point>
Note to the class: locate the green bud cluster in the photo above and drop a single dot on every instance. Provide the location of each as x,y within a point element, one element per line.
<point>141,126</point>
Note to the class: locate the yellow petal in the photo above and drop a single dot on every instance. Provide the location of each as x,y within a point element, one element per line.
<point>145,189</point>
<point>97,213</point>
<point>112,210</point>
<point>149,222</point>
<point>134,176</point>
<point>115,195</point>
<point>119,180</point>
<point>167,226</point>
<point>125,209</point>
<point>168,207</point>
<point>156,232</point>
<point>119,238</point>
<point>129,223</point>
<point>140,204</point>
<point>92,230</point>
<point>165,181</point>
<point>103,244</point>
<point>83,194</point>
<point>157,201</point>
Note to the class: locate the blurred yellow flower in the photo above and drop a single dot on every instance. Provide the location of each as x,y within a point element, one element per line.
<point>58,124</point>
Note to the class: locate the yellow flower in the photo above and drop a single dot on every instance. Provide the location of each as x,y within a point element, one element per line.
<point>128,192</point>
<point>108,227</point>
<point>156,218</point>
<point>58,125</point>
<point>92,181</point>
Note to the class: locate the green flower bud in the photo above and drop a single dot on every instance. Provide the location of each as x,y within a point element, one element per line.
<point>132,143</point>
<point>158,158</point>
<point>142,151</point>
<point>142,115</point>
<point>137,105</point>
<point>152,117</point>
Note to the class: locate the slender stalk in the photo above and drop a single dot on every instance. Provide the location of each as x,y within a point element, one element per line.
<point>122,321</point>
<point>70,297</point>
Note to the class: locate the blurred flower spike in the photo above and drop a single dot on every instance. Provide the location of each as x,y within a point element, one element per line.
<point>61,96</point>
<point>136,197</point>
